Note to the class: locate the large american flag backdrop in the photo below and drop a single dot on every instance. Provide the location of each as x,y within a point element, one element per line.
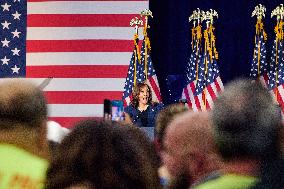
<point>85,46</point>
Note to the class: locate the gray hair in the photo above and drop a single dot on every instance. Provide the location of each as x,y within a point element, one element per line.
<point>246,121</point>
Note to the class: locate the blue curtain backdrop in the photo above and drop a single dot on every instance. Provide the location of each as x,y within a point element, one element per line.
<point>170,36</point>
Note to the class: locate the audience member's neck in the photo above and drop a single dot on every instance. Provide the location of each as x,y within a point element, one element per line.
<point>247,167</point>
<point>203,173</point>
<point>27,139</point>
<point>204,163</point>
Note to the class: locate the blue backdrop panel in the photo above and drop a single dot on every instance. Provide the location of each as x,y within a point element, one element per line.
<point>170,35</point>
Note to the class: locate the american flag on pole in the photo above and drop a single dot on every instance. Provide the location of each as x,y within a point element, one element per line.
<point>152,80</point>
<point>191,71</point>
<point>203,77</point>
<point>276,72</point>
<point>135,73</point>
<point>143,71</point>
<point>209,83</point>
<point>84,45</point>
<point>201,80</point>
<point>259,65</point>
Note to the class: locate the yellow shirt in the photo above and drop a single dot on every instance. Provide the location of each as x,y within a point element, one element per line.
<point>21,169</point>
<point>229,181</point>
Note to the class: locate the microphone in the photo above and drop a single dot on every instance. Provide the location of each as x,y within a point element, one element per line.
<point>45,83</point>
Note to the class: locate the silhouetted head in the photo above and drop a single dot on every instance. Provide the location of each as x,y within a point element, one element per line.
<point>106,155</point>
<point>246,121</point>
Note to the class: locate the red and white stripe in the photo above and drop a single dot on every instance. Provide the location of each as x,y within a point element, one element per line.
<point>188,94</point>
<point>155,88</point>
<point>278,95</point>
<point>86,47</point>
<point>197,103</point>
<point>264,79</point>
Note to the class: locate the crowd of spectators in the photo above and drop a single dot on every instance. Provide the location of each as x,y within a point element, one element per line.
<point>236,145</point>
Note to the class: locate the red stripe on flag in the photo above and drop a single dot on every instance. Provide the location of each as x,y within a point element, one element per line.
<point>196,99</point>
<point>68,122</point>
<point>188,98</point>
<point>207,105</point>
<point>279,97</point>
<point>76,71</point>
<point>199,102</point>
<point>217,85</point>
<point>79,46</point>
<point>205,100</point>
<point>211,92</point>
<point>265,77</point>
<point>80,20</point>
<point>155,88</point>
<point>81,97</point>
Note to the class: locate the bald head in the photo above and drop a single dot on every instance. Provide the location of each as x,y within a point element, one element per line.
<point>189,146</point>
<point>21,103</point>
<point>192,130</point>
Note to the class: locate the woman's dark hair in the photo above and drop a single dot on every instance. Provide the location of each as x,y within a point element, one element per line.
<point>136,92</point>
<point>106,155</point>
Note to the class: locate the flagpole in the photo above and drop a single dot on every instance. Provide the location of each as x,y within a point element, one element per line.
<point>136,22</point>
<point>146,13</point>
<point>278,12</point>
<point>198,16</point>
<point>196,34</point>
<point>206,66</point>
<point>259,11</point>
<point>209,48</point>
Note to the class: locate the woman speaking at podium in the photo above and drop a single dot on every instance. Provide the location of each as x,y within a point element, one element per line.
<point>142,111</point>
